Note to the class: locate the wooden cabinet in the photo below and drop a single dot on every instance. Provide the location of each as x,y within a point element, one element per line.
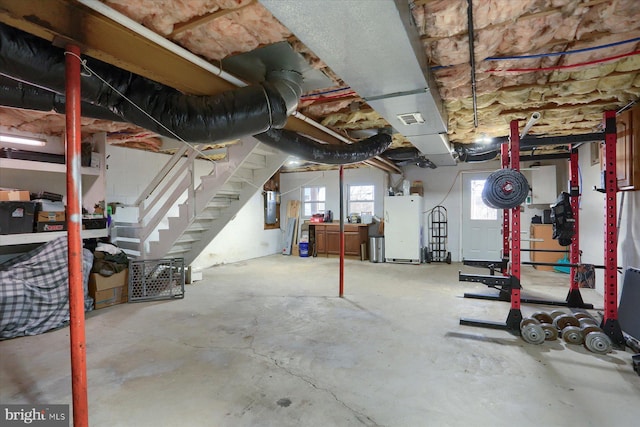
<point>627,149</point>
<point>320,236</point>
<point>545,232</point>
<point>327,239</point>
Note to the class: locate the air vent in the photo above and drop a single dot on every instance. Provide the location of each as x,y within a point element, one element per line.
<point>411,118</point>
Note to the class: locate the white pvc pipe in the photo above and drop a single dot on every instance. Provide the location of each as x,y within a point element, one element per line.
<point>129,23</point>
<point>317,125</point>
<point>535,116</point>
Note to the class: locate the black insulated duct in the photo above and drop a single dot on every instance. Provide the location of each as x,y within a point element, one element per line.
<point>305,148</point>
<point>259,109</point>
<point>230,115</point>
<point>22,95</point>
<point>410,156</point>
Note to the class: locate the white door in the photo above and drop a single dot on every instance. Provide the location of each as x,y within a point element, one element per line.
<point>481,225</point>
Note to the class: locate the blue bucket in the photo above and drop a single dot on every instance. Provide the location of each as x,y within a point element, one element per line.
<point>304,249</point>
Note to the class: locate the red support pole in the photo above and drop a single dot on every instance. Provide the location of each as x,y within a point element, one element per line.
<point>514,145</point>
<point>574,298</point>
<point>341,232</point>
<point>610,323</point>
<point>574,192</point>
<point>504,155</point>
<point>74,221</point>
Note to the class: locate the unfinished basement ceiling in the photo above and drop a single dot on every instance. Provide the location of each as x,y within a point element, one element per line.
<point>571,60</point>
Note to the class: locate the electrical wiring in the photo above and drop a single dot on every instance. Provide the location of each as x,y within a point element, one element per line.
<point>320,98</point>
<point>324,92</point>
<point>568,52</point>
<point>548,54</point>
<point>563,67</point>
<point>446,195</point>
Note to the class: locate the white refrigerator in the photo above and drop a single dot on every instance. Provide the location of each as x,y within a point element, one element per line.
<point>403,224</point>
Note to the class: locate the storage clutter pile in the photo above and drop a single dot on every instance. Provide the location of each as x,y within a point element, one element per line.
<point>108,281</point>
<point>34,296</point>
<point>25,212</point>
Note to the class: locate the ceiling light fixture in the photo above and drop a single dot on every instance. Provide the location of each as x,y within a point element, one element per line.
<point>12,139</point>
<point>484,139</point>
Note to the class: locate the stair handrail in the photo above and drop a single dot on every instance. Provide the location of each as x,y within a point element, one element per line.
<point>175,158</point>
<point>149,199</point>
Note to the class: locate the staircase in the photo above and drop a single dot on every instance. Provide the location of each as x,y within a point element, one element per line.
<point>199,213</point>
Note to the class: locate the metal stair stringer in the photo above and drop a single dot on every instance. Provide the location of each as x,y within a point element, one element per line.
<point>218,199</point>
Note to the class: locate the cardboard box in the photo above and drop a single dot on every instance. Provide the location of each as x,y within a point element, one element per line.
<point>109,297</point>
<point>416,191</point>
<point>14,196</point>
<point>48,216</point>
<point>108,291</point>
<point>42,227</point>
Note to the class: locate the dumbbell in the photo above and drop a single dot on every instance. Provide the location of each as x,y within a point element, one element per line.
<point>531,331</point>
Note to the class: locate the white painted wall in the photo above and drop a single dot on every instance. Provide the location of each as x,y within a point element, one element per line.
<point>291,184</point>
<point>592,222</point>
<point>130,171</point>
<point>443,186</point>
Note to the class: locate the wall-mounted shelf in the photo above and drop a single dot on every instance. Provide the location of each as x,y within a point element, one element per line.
<point>30,238</point>
<point>42,166</point>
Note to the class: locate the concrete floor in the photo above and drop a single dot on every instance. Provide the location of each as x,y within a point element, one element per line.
<point>267,343</point>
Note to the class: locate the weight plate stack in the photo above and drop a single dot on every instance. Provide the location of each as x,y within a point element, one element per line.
<point>542,317</point>
<point>587,321</point>
<point>505,189</point>
<point>586,329</point>
<point>572,335</point>
<point>528,321</point>
<point>565,320</point>
<point>598,342</point>
<point>550,331</point>
<point>556,313</point>
<point>533,333</point>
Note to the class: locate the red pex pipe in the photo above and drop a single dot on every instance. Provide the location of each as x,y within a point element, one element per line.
<point>74,221</point>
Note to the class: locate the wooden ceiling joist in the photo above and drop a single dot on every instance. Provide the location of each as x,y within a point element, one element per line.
<point>196,21</point>
<point>111,42</point>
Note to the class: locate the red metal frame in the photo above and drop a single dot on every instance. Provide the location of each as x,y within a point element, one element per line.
<point>74,237</point>
<point>610,323</point>
<point>574,192</point>
<point>514,146</point>
<point>574,298</point>
<point>504,155</point>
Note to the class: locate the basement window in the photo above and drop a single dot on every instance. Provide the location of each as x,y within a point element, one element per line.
<point>313,200</point>
<point>361,199</point>
<point>480,211</point>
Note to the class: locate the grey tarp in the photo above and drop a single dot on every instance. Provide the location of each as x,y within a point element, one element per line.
<point>34,290</point>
